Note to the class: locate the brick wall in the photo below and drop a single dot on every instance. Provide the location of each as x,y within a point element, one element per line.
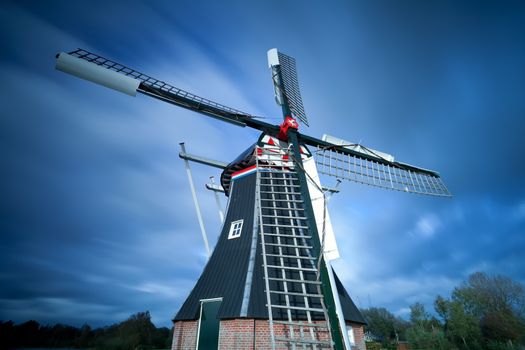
<point>242,334</point>
<point>184,335</point>
<point>236,334</point>
<point>359,336</point>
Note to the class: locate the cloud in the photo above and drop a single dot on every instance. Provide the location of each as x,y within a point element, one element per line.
<point>518,211</point>
<point>426,226</point>
<point>97,198</point>
<point>170,291</point>
<point>60,309</point>
<point>423,263</point>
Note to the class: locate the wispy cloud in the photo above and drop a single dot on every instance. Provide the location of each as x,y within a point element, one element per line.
<point>518,211</point>
<point>426,226</point>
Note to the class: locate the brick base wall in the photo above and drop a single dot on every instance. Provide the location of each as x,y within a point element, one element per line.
<point>184,335</point>
<point>359,336</point>
<point>244,334</point>
<point>236,334</point>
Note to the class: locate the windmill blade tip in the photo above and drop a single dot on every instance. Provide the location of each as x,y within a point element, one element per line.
<point>273,58</point>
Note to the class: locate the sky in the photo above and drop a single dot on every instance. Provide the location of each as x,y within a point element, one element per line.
<point>97,220</point>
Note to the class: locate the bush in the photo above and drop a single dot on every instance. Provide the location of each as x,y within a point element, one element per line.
<point>498,345</point>
<point>372,345</point>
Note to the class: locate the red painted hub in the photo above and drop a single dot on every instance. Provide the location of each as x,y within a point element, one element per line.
<point>288,123</point>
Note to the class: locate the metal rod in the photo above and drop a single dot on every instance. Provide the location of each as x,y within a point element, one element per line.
<point>309,295</point>
<point>202,160</point>
<point>292,256</point>
<point>332,190</point>
<point>303,324</point>
<point>294,280</point>
<point>218,201</point>
<point>194,195</point>
<point>214,188</point>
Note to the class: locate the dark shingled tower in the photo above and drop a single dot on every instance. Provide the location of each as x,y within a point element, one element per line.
<point>226,273</point>
<point>233,277</point>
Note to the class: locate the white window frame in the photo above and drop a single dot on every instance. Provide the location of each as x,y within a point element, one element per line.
<point>235,229</point>
<point>351,335</point>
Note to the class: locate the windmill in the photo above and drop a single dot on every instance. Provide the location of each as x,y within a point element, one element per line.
<point>268,282</point>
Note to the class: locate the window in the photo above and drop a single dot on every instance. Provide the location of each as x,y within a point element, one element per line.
<point>235,229</point>
<point>350,332</point>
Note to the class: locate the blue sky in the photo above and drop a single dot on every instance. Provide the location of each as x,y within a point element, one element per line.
<point>96,215</point>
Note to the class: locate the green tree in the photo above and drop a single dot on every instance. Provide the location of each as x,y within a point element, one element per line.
<point>424,339</point>
<point>484,312</point>
<point>137,332</point>
<point>503,327</point>
<point>85,336</point>
<point>461,328</point>
<point>383,325</point>
<point>425,332</point>
<point>418,314</point>
<point>481,294</point>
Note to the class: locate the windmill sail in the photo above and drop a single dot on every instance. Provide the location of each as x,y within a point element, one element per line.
<point>352,162</point>
<point>340,159</point>
<point>290,83</point>
<point>72,63</point>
